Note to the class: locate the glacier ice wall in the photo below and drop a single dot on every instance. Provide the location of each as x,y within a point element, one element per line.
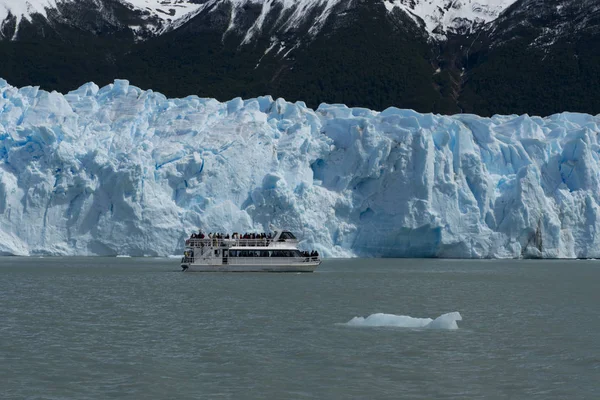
<point>118,170</point>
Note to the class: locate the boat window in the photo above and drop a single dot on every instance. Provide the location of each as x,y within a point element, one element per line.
<point>287,235</point>
<point>282,253</point>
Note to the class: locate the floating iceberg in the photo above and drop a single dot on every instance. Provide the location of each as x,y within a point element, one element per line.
<point>445,321</point>
<point>122,171</point>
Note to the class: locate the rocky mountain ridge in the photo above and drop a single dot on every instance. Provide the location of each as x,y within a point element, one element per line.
<point>437,16</point>
<point>442,56</point>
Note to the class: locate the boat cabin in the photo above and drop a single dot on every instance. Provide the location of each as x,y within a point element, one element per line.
<point>281,246</point>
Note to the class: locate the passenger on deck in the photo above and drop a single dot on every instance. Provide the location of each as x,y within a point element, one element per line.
<point>201,235</point>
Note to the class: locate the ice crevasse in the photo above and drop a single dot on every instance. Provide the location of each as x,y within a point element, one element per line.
<point>119,170</point>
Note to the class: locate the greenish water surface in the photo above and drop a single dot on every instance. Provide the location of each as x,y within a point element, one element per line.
<point>133,328</point>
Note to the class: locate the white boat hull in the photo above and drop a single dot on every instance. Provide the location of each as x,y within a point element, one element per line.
<point>300,267</point>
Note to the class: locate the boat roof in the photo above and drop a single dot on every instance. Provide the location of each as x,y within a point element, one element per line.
<point>262,248</point>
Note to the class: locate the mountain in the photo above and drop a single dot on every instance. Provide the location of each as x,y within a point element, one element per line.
<point>443,17</point>
<point>118,170</point>
<point>96,16</point>
<point>442,56</point>
<point>541,57</point>
<point>438,16</point>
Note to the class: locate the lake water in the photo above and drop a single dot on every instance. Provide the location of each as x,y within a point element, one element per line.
<point>104,328</point>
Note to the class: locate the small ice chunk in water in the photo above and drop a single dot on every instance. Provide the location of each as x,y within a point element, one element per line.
<point>380,319</point>
<point>445,321</point>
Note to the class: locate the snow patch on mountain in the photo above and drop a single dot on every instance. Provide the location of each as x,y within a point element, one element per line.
<point>292,14</point>
<point>167,10</point>
<point>437,16</point>
<point>24,8</point>
<point>459,16</point>
<point>164,9</point>
<point>122,171</point>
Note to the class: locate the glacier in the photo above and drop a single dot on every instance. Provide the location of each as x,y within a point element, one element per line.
<point>122,171</point>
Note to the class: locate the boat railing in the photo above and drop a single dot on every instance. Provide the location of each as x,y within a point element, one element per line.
<point>270,260</point>
<point>256,260</point>
<point>264,242</point>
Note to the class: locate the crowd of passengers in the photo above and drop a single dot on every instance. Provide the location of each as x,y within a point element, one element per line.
<point>235,235</point>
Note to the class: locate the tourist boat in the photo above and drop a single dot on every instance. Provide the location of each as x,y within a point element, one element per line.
<point>277,253</point>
